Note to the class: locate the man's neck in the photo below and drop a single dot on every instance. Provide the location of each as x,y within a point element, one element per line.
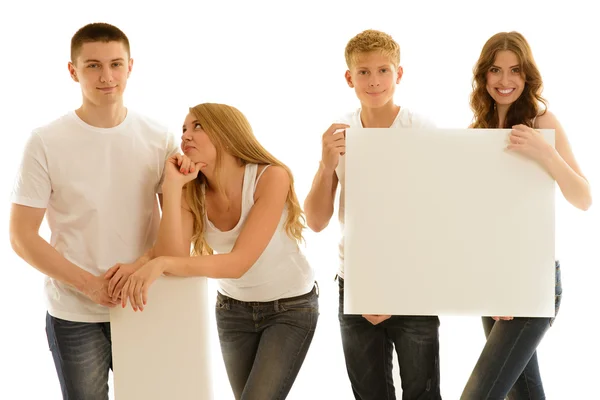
<point>107,116</point>
<point>381,117</point>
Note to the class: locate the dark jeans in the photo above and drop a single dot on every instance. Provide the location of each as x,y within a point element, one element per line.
<point>82,356</point>
<point>508,364</point>
<point>369,349</point>
<point>264,343</point>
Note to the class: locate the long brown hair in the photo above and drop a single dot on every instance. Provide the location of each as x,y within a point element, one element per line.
<point>227,128</point>
<point>527,106</point>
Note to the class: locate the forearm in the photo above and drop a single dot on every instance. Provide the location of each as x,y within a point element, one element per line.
<point>41,255</point>
<point>574,187</point>
<point>218,266</point>
<point>145,258</point>
<point>170,234</point>
<point>318,205</point>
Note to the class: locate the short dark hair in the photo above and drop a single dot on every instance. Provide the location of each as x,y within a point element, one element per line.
<point>97,32</point>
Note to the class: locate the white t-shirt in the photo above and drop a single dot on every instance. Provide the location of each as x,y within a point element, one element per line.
<point>281,271</point>
<point>99,187</point>
<point>404,119</point>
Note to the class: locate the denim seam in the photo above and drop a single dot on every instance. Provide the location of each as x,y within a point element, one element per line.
<point>287,377</point>
<point>506,360</point>
<point>526,383</point>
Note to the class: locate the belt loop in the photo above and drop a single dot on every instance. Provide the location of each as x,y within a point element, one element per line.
<point>317,288</point>
<point>276,305</point>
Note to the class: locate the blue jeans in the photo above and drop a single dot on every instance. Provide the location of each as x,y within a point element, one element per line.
<point>264,343</point>
<point>82,357</point>
<point>368,350</point>
<point>508,364</point>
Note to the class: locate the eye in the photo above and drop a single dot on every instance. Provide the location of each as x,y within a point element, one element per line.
<point>494,70</point>
<point>384,70</point>
<point>92,65</point>
<point>197,126</point>
<point>117,64</point>
<point>516,70</point>
<point>362,72</point>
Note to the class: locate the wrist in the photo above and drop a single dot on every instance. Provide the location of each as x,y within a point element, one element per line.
<point>166,263</point>
<point>81,280</point>
<point>170,186</point>
<point>324,168</point>
<point>550,158</point>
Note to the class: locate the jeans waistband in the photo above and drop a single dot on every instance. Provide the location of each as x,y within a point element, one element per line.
<point>315,290</point>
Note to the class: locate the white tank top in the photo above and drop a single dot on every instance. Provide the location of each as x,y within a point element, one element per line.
<point>281,271</point>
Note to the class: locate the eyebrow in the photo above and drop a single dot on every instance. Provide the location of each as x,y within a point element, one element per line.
<point>365,67</point>
<point>495,66</point>
<point>97,61</point>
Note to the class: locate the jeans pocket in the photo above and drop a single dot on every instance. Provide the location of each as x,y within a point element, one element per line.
<point>221,303</point>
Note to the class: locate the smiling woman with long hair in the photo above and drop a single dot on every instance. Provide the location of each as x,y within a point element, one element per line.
<point>507,93</point>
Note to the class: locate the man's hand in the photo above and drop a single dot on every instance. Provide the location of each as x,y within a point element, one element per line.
<point>376,318</point>
<point>96,288</point>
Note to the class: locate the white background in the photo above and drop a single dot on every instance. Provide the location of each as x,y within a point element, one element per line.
<point>282,64</point>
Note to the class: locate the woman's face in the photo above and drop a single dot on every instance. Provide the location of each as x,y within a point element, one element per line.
<point>505,81</point>
<point>196,144</point>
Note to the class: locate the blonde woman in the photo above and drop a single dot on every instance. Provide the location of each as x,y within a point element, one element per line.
<point>227,195</point>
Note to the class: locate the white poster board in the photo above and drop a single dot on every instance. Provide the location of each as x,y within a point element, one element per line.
<point>446,222</point>
<point>163,352</point>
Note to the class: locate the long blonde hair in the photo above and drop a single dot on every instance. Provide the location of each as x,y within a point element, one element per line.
<point>229,131</point>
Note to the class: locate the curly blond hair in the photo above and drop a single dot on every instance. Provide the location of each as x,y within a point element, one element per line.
<point>370,41</point>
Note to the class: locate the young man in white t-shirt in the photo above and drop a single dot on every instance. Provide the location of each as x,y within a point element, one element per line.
<point>374,70</point>
<point>95,174</point>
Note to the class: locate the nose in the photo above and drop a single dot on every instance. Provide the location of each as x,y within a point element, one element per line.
<point>106,75</point>
<point>374,80</point>
<point>186,136</point>
<point>504,79</point>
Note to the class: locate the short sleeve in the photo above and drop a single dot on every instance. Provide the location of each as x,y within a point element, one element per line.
<point>32,185</point>
<point>171,147</point>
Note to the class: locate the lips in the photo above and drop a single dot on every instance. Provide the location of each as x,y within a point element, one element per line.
<point>107,89</point>
<point>505,92</point>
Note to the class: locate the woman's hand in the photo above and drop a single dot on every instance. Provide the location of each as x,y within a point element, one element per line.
<point>138,283</point>
<point>118,275</point>
<point>530,143</point>
<point>502,318</point>
<point>179,170</point>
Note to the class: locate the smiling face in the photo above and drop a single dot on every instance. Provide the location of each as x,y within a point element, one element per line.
<point>195,142</point>
<point>374,77</point>
<point>102,70</point>
<point>504,79</point>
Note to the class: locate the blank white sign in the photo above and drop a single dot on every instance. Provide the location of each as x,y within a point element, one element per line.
<point>446,222</point>
<point>163,352</point>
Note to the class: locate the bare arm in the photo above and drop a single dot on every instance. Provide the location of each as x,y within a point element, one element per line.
<point>263,219</point>
<point>25,223</point>
<point>176,225</point>
<point>563,167</point>
<point>318,205</point>
<point>32,248</point>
